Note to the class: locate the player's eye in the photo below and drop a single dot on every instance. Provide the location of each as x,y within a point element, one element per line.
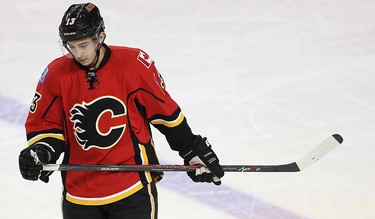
<point>71,47</point>
<point>82,46</point>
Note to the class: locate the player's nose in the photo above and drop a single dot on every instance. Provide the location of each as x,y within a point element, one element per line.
<point>78,54</point>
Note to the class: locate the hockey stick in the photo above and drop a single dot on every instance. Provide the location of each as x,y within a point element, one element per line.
<point>310,158</point>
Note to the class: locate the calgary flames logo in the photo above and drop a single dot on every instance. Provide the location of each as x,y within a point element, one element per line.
<point>100,123</point>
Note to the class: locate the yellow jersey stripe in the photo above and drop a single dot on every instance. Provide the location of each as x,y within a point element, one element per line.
<point>169,124</point>
<point>152,200</point>
<point>145,161</point>
<point>105,200</point>
<point>45,135</point>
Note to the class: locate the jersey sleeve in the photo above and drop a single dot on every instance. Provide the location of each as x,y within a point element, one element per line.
<point>45,119</point>
<point>153,101</point>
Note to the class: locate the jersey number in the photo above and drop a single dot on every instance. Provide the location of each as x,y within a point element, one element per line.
<point>34,103</point>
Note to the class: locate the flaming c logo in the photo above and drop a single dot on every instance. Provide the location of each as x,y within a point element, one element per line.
<point>100,123</point>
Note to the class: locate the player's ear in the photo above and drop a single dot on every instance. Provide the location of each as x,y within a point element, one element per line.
<point>102,36</point>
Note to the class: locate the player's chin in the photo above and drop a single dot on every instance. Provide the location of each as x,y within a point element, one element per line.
<point>84,62</point>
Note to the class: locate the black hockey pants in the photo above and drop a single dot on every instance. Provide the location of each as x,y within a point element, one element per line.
<point>140,205</point>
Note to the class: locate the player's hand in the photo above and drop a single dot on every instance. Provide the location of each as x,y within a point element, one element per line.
<point>31,160</point>
<point>201,154</point>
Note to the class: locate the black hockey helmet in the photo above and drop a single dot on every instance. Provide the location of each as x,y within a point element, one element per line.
<point>80,21</point>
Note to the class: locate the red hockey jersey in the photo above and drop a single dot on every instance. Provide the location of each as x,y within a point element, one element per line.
<point>106,125</point>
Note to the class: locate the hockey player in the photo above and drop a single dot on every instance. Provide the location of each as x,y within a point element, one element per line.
<point>95,105</point>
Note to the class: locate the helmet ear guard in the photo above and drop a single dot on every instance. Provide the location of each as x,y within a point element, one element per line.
<point>96,37</point>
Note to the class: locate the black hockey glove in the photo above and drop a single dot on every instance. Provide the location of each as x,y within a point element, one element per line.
<point>201,153</point>
<point>33,157</point>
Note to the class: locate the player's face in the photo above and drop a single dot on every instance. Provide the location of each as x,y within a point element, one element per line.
<point>83,50</point>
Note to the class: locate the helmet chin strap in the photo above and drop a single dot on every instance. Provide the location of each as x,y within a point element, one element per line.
<point>95,62</point>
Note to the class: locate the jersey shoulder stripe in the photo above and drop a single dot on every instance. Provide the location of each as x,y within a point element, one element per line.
<point>169,123</point>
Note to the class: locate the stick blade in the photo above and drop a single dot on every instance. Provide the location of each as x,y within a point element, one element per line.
<point>320,151</point>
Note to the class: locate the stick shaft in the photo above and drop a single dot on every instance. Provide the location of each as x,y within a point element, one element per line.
<point>310,158</point>
<point>292,167</point>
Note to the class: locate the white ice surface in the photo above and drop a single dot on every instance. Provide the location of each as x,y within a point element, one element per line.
<point>265,81</point>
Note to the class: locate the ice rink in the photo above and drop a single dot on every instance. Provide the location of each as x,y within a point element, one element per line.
<point>264,80</point>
